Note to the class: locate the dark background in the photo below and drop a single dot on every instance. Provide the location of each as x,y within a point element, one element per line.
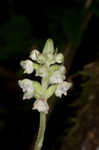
<point>74,27</point>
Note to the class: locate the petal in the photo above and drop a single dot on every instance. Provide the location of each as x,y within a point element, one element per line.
<point>41,106</point>
<point>62,88</point>
<point>62,69</point>
<point>34,54</point>
<point>27,87</point>
<point>57,77</point>
<point>27,65</point>
<point>28,95</point>
<point>25,83</point>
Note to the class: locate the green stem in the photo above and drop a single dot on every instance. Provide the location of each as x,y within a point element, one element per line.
<point>44,83</point>
<point>40,137</point>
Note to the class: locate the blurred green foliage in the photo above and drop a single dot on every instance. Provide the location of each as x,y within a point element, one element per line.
<point>72,23</point>
<point>66,23</point>
<point>95,8</point>
<point>15,37</point>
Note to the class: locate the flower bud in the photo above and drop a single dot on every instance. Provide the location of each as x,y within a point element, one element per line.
<point>59,58</point>
<point>49,47</point>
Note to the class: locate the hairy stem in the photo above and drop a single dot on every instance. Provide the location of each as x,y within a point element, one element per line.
<point>40,137</point>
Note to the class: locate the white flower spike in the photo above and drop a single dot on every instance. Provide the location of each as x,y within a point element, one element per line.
<point>48,65</point>
<point>27,87</point>
<point>27,65</point>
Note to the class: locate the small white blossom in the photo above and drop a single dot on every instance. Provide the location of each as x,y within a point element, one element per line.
<point>27,65</point>
<point>62,88</point>
<point>34,54</point>
<point>41,106</point>
<point>63,69</point>
<point>27,87</point>
<point>59,58</point>
<point>57,77</point>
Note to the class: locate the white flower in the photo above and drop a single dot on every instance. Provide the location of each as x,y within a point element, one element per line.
<point>34,54</point>
<point>41,106</point>
<point>27,87</point>
<point>57,77</point>
<point>28,66</point>
<point>59,58</point>
<point>62,69</point>
<point>62,88</point>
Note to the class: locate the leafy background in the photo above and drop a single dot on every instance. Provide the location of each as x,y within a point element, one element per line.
<point>73,121</point>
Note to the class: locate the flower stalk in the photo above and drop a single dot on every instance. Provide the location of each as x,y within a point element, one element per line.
<point>42,127</point>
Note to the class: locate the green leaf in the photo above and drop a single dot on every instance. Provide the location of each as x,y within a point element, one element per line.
<point>36,66</point>
<point>37,86</point>
<point>50,91</point>
<point>38,89</point>
<point>15,37</point>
